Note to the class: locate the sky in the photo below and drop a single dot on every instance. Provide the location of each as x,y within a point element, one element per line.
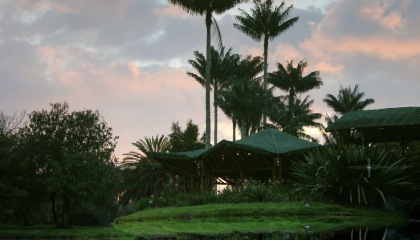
<point>128,58</point>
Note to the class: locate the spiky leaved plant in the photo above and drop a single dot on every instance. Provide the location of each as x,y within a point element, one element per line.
<point>340,173</point>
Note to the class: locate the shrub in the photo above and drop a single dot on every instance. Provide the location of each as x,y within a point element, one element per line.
<point>340,173</point>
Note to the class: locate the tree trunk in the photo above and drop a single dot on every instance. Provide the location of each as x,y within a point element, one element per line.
<point>53,209</point>
<point>234,128</point>
<point>215,113</point>
<point>242,128</point>
<point>208,62</point>
<point>66,211</point>
<point>265,76</point>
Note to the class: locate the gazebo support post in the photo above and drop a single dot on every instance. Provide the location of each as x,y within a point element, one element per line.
<point>212,181</point>
<point>173,178</point>
<point>280,171</point>
<point>185,185</point>
<point>192,183</point>
<point>242,178</point>
<point>273,178</point>
<point>202,185</point>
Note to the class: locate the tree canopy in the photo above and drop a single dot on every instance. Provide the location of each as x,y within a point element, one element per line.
<point>74,155</point>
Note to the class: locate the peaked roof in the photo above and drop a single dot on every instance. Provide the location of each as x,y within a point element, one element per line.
<point>387,117</point>
<point>190,155</point>
<point>270,141</point>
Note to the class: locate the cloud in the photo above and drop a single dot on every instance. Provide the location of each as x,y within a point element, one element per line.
<point>341,33</point>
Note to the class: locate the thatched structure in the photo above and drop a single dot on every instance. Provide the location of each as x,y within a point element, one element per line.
<point>381,125</point>
<point>263,156</point>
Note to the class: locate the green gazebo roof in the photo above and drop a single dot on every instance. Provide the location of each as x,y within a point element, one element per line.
<point>270,141</point>
<point>382,125</point>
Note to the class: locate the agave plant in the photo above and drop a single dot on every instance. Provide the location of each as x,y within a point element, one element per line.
<point>340,173</point>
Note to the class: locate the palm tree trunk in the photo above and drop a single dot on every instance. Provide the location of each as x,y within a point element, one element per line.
<point>215,113</point>
<point>265,75</point>
<point>234,128</point>
<point>208,62</point>
<point>242,128</point>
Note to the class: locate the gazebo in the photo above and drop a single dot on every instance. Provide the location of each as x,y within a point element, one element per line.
<point>381,125</point>
<point>262,156</point>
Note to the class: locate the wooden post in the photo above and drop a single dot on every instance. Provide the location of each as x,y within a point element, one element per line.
<point>212,182</point>
<point>273,178</point>
<point>173,178</point>
<point>185,185</point>
<point>202,177</point>
<point>242,177</point>
<point>280,172</point>
<point>192,183</point>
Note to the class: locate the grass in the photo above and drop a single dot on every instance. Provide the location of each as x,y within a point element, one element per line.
<point>227,218</point>
<point>49,231</point>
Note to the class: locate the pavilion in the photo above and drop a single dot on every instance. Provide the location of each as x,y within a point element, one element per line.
<point>381,125</point>
<point>262,156</point>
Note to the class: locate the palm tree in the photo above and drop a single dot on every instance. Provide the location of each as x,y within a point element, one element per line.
<point>207,8</point>
<point>244,100</point>
<point>245,68</point>
<point>348,100</point>
<point>293,118</point>
<point>292,81</point>
<point>139,173</point>
<point>222,65</point>
<point>265,24</point>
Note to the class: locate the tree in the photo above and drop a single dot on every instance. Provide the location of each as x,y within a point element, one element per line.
<point>292,119</point>
<point>292,81</point>
<point>222,65</point>
<point>187,140</point>
<point>20,188</point>
<point>244,68</point>
<point>207,8</point>
<point>140,174</point>
<point>348,100</point>
<point>244,99</point>
<point>73,152</point>
<point>265,24</point>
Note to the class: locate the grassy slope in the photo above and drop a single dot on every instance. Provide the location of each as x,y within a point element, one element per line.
<point>219,218</point>
<point>50,231</point>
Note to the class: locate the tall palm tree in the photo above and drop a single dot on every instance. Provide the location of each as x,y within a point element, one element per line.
<point>207,8</point>
<point>139,173</point>
<point>348,100</point>
<point>245,98</point>
<point>293,118</point>
<point>292,81</point>
<point>244,68</point>
<point>222,66</point>
<point>265,24</point>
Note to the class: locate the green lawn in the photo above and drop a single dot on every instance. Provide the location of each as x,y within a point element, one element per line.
<point>226,218</point>
<point>41,231</point>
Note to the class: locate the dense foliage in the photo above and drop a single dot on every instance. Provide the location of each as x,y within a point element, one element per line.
<point>63,157</point>
<point>340,173</point>
<point>247,192</point>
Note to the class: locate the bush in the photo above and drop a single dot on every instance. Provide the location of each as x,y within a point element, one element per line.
<point>340,173</point>
<point>142,204</point>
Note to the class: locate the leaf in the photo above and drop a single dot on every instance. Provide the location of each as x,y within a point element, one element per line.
<point>358,192</point>
<point>351,197</point>
<point>360,233</point>
<point>351,234</point>
<point>364,198</point>
<point>366,233</point>
<point>382,194</point>
<point>386,230</point>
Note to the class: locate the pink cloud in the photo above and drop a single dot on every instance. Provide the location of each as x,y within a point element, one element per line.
<point>285,52</point>
<point>385,48</point>
<point>170,10</point>
<point>325,67</point>
<point>253,51</point>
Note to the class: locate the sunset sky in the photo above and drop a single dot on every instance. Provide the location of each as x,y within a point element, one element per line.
<point>129,58</point>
